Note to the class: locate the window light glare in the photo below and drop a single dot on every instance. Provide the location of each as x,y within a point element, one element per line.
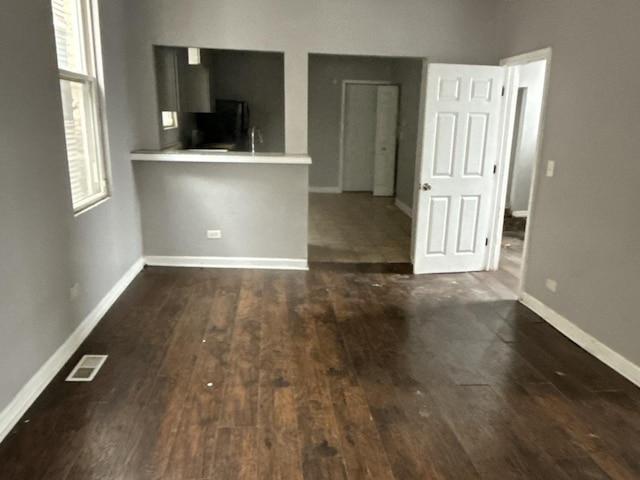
<point>194,56</point>
<point>169,120</point>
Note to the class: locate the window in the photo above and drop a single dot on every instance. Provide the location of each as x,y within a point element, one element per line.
<point>169,120</point>
<point>193,56</point>
<point>80,89</point>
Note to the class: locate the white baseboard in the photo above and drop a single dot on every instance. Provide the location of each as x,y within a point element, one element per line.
<point>624,367</point>
<point>228,262</point>
<point>404,208</point>
<point>325,190</point>
<point>34,387</point>
<point>520,213</point>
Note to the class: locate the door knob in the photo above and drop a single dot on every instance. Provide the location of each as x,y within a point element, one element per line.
<point>426,187</point>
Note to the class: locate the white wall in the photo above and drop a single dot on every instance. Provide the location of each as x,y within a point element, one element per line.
<point>442,30</point>
<point>43,247</point>
<point>585,223</point>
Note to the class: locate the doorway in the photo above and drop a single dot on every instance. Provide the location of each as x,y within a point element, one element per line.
<point>356,227</point>
<point>463,167</point>
<point>527,87</point>
<point>347,222</point>
<point>524,146</point>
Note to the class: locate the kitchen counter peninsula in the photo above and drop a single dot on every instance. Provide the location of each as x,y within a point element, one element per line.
<point>219,156</point>
<point>204,208</point>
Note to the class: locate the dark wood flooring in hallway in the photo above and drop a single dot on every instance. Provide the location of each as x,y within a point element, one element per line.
<point>342,372</point>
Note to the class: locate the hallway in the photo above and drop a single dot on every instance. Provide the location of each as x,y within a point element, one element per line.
<point>357,228</point>
<point>361,228</point>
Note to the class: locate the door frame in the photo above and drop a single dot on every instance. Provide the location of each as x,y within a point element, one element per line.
<point>509,111</point>
<point>424,78</point>
<point>345,84</point>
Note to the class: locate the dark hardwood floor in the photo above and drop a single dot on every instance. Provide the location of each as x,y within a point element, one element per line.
<point>342,372</point>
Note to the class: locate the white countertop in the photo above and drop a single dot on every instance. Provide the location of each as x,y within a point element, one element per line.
<point>217,156</point>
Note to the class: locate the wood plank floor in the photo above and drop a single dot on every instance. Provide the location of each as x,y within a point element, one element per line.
<point>343,372</point>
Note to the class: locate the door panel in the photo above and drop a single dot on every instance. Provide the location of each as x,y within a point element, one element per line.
<point>468,224</point>
<point>460,149</point>
<point>449,88</point>
<point>476,143</point>
<point>445,144</point>
<point>438,222</point>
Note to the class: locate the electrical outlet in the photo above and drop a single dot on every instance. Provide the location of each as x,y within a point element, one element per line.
<point>551,165</point>
<point>214,234</point>
<point>551,285</point>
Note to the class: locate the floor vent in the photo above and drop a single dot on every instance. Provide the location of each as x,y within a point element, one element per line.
<point>87,368</point>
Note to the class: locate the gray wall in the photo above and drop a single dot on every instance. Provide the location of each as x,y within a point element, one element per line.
<point>326,73</point>
<point>408,73</point>
<point>585,224</point>
<point>43,247</point>
<point>462,31</point>
<point>257,78</point>
<point>262,210</point>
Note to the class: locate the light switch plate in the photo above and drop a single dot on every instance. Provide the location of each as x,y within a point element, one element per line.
<point>551,165</point>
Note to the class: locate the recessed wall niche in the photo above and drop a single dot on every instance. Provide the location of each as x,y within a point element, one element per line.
<point>220,96</point>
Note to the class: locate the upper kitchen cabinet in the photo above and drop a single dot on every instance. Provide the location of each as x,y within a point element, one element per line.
<point>182,87</point>
<point>195,89</point>
<point>195,94</point>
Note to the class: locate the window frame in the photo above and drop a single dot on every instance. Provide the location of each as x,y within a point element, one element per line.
<point>92,82</point>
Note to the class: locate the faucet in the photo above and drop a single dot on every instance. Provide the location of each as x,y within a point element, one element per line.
<point>253,131</point>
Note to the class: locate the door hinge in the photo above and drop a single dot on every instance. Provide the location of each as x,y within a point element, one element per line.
<point>503,91</point>
<point>486,242</point>
<point>495,168</point>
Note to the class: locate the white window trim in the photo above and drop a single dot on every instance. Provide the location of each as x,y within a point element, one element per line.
<point>95,79</point>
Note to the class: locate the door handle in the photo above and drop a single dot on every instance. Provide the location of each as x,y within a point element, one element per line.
<point>425,186</point>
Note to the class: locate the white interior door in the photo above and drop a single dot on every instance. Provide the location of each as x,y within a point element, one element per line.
<point>460,148</point>
<point>359,137</point>
<point>385,146</point>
